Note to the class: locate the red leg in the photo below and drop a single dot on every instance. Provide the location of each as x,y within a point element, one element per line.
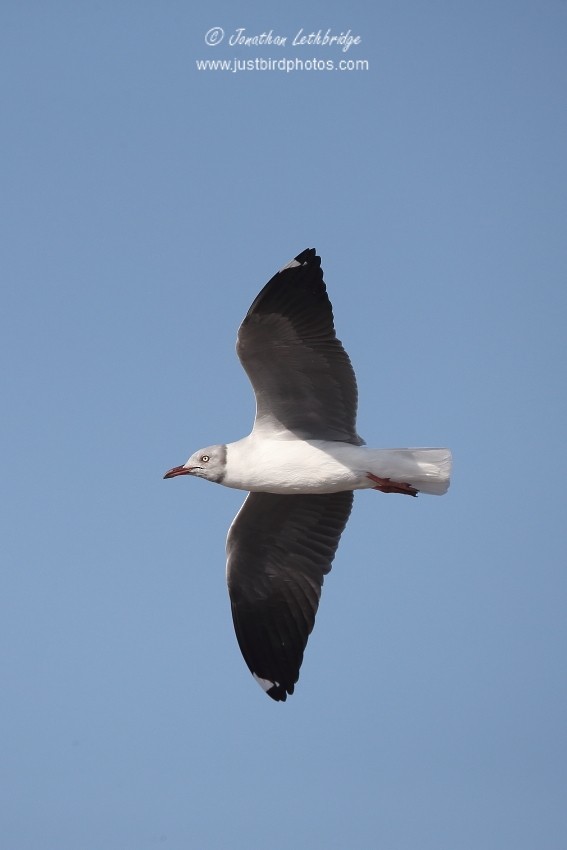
<point>386,485</point>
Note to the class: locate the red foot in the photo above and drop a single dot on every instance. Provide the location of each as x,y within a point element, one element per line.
<point>386,485</point>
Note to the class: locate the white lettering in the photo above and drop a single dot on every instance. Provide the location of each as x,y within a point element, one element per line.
<point>345,39</point>
<point>238,37</point>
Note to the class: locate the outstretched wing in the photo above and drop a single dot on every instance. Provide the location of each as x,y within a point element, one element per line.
<point>302,376</point>
<point>279,549</point>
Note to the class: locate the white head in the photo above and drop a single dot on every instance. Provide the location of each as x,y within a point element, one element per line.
<point>209,463</point>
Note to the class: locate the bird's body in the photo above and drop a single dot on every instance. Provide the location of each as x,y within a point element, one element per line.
<point>300,466</point>
<point>265,465</point>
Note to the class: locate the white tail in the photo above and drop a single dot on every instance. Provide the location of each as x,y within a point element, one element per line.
<point>428,470</point>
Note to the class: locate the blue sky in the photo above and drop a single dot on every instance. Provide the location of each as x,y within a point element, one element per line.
<point>144,205</point>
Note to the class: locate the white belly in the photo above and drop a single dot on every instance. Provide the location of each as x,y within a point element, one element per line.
<point>294,466</point>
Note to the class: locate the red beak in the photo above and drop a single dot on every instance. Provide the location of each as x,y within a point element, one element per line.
<point>178,470</point>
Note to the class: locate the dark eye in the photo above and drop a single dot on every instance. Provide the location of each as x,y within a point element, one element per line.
<point>205,458</point>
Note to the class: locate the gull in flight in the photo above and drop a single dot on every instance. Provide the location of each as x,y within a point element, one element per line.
<point>300,466</point>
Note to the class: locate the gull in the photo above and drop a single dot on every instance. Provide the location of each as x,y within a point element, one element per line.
<point>300,465</point>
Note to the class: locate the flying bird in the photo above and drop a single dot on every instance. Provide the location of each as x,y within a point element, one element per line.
<point>300,465</point>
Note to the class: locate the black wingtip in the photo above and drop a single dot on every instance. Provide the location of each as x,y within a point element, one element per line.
<point>307,256</point>
<point>275,690</point>
<point>277,694</point>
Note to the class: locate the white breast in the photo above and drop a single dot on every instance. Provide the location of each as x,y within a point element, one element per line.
<point>293,466</point>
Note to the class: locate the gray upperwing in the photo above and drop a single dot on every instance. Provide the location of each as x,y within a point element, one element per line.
<point>279,549</point>
<point>302,376</point>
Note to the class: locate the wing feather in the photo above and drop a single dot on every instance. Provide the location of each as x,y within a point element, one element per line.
<point>302,377</point>
<point>279,549</point>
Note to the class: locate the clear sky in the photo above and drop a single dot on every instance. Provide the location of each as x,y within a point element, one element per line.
<point>145,203</point>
